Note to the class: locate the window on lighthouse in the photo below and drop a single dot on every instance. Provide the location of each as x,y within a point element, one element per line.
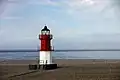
<point>45,31</point>
<point>48,32</point>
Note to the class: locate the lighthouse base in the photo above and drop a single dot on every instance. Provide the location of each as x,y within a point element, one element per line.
<point>48,66</point>
<point>43,66</point>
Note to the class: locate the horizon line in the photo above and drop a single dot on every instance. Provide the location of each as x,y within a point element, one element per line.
<point>57,50</point>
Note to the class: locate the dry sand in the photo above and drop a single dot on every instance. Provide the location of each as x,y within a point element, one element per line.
<point>79,69</point>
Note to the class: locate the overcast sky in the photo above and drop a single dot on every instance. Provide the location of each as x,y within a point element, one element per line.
<point>73,23</point>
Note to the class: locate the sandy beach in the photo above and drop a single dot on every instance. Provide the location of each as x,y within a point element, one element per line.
<point>78,69</point>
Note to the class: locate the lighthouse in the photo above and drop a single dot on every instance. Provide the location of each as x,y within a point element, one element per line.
<point>45,54</point>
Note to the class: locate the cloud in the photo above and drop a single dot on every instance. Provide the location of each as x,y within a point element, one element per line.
<point>11,18</point>
<point>78,7</point>
<point>9,7</point>
<point>1,32</point>
<point>116,5</point>
<point>70,6</point>
<point>42,2</point>
<point>97,7</point>
<point>2,6</point>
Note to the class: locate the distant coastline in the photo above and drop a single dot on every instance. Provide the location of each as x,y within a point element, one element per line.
<point>62,50</point>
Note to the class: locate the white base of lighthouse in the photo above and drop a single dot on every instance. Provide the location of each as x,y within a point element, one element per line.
<point>45,60</point>
<point>45,57</point>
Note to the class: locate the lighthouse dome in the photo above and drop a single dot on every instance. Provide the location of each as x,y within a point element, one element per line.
<point>45,29</point>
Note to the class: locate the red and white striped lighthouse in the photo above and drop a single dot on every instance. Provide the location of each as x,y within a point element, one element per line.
<point>45,55</point>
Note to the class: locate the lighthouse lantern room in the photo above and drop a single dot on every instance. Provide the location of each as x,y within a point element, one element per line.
<point>45,55</point>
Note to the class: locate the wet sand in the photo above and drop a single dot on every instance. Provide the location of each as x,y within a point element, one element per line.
<point>79,69</point>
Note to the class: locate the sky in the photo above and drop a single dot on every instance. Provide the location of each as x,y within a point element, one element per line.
<point>75,24</point>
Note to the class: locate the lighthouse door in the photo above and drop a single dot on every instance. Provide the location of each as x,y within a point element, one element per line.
<point>41,61</point>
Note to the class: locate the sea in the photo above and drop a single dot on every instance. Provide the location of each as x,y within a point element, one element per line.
<point>62,55</point>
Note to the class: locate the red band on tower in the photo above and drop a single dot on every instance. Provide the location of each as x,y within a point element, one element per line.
<point>45,38</point>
